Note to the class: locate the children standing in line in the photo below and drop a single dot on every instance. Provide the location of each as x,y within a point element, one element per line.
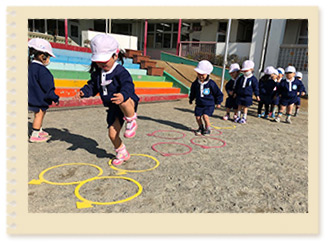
<point>245,87</point>
<point>41,89</point>
<point>117,91</point>
<point>207,94</point>
<point>299,76</point>
<point>275,100</point>
<point>229,87</point>
<point>267,87</point>
<point>288,90</point>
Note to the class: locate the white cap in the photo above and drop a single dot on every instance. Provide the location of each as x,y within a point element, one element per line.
<point>41,45</point>
<point>103,47</point>
<point>281,70</point>
<point>204,67</point>
<point>234,67</point>
<point>247,65</point>
<point>290,69</point>
<point>269,70</point>
<point>299,74</point>
<point>275,71</point>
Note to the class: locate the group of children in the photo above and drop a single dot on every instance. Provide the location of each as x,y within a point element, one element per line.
<point>271,91</point>
<point>116,89</point>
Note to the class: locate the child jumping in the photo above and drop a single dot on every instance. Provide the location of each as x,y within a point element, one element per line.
<point>288,90</point>
<point>230,103</point>
<point>41,89</point>
<point>117,91</point>
<point>246,85</point>
<point>299,76</point>
<point>207,94</point>
<point>267,89</point>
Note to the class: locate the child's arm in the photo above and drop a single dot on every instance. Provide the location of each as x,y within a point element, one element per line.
<point>47,85</point>
<point>127,88</point>
<point>228,90</point>
<point>90,89</point>
<point>255,88</point>
<point>218,95</point>
<point>192,93</point>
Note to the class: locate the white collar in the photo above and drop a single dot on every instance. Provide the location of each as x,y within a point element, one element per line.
<point>289,81</point>
<point>112,69</point>
<point>38,62</point>
<point>248,76</point>
<point>205,82</point>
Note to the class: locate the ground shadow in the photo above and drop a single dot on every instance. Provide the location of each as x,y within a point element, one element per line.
<point>192,111</point>
<point>166,122</point>
<point>77,141</point>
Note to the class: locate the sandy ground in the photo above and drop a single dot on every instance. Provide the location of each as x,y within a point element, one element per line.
<point>262,168</point>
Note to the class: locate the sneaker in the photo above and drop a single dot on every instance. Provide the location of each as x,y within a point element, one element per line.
<point>121,156</point>
<point>259,115</point>
<point>272,115</point>
<point>237,119</point>
<point>243,121</point>
<point>225,118</point>
<point>38,138</point>
<point>288,120</point>
<point>277,119</point>
<point>266,116</point>
<point>44,134</point>
<point>234,117</point>
<point>206,131</point>
<point>131,126</point>
<point>199,131</point>
<point>296,114</point>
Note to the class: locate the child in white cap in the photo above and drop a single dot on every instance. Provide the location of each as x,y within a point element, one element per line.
<point>230,103</point>
<point>117,91</point>
<point>275,100</point>
<point>207,94</point>
<point>267,87</point>
<point>245,87</point>
<point>41,88</point>
<point>288,90</point>
<point>299,76</point>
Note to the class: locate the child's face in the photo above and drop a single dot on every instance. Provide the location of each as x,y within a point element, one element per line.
<point>44,59</point>
<point>234,74</point>
<point>290,75</point>
<point>274,77</point>
<point>106,66</point>
<point>280,76</point>
<point>202,77</point>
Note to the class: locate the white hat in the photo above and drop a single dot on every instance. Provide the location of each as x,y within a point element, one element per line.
<point>269,70</point>
<point>247,65</point>
<point>299,74</point>
<point>41,45</point>
<point>204,67</point>
<point>275,71</point>
<point>281,70</point>
<point>234,67</point>
<point>290,69</point>
<point>103,47</point>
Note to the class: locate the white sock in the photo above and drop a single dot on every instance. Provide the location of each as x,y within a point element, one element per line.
<point>245,115</point>
<point>239,113</point>
<point>35,133</point>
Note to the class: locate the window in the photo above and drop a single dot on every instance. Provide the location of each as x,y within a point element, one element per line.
<point>39,26</point>
<point>30,25</point>
<point>196,26</point>
<point>99,25</point>
<point>52,27</point>
<point>245,30</point>
<point>221,31</point>
<point>121,28</point>
<point>303,33</point>
<point>61,28</point>
<point>74,31</point>
<point>162,35</point>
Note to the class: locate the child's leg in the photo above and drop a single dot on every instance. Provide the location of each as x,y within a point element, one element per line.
<point>281,110</point>
<point>238,113</point>
<point>206,121</point>
<point>38,119</point>
<point>289,111</point>
<point>199,121</point>
<point>37,134</point>
<point>267,106</point>
<point>260,107</point>
<point>128,109</point>
<point>120,149</point>
<point>245,112</point>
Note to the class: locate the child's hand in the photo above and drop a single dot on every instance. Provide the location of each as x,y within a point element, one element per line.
<point>297,93</point>
<point>117,99</point>
<point>57,103</point>
<point>218,106</point>
<point>258,99</point>
<point>303,93</point>
<point>230,93</point>
<point>79,95</point>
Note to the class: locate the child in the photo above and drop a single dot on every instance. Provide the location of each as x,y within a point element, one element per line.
<point>299,76</point>
<point>267,87</point>
<point>41,89</point>
<point>117,91</point>
<point>275,100</point>
<point>207,94</point>
<point>229,87</point>
<point>288,90</point>
<point>246,85</point>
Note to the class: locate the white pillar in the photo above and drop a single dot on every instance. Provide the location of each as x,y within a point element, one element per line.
<point>257,43</point>
<point>274,42</point>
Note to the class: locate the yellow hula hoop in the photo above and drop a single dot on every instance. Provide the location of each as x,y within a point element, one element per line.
<point>232,127</point>
<point>43,180</point>
<point>89,204</point>
<point>124,171</point>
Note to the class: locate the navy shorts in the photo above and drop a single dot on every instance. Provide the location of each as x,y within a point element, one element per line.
<point>297,101</point>
<point>114,112</point>
<point>276,100</point>
<point>244,101</point>
<point>231,103</point>
<point>204,110</point>
<point>38,108</point>
<point>287,101</point>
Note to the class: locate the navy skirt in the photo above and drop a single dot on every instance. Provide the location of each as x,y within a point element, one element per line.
<point>244,100</point>
<point>204,110</point>
<point>231,103</point>
<point>288,101</point>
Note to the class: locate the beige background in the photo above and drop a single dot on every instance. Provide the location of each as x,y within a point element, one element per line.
<point>148,223</point>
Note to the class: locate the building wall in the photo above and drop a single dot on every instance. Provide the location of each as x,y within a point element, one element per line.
<point>240,49</point>
<point>209,31</point>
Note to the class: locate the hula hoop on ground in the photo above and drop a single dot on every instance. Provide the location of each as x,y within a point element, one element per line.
<point>171,154</point>
<point>208,147</point>
<point>157,131</point>
<point>216,127</point>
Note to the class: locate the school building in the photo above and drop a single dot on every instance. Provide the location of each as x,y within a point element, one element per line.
<point>276,42</point>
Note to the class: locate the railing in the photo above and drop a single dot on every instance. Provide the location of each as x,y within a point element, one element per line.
<point>50,38</point>
<point>192,48</point>
<point>295,55</point>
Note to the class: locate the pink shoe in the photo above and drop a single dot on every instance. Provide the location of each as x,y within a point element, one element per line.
<point>38,138</point>
<point>131,126</point>
<point>44,134</point>
<point>121,156</point>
